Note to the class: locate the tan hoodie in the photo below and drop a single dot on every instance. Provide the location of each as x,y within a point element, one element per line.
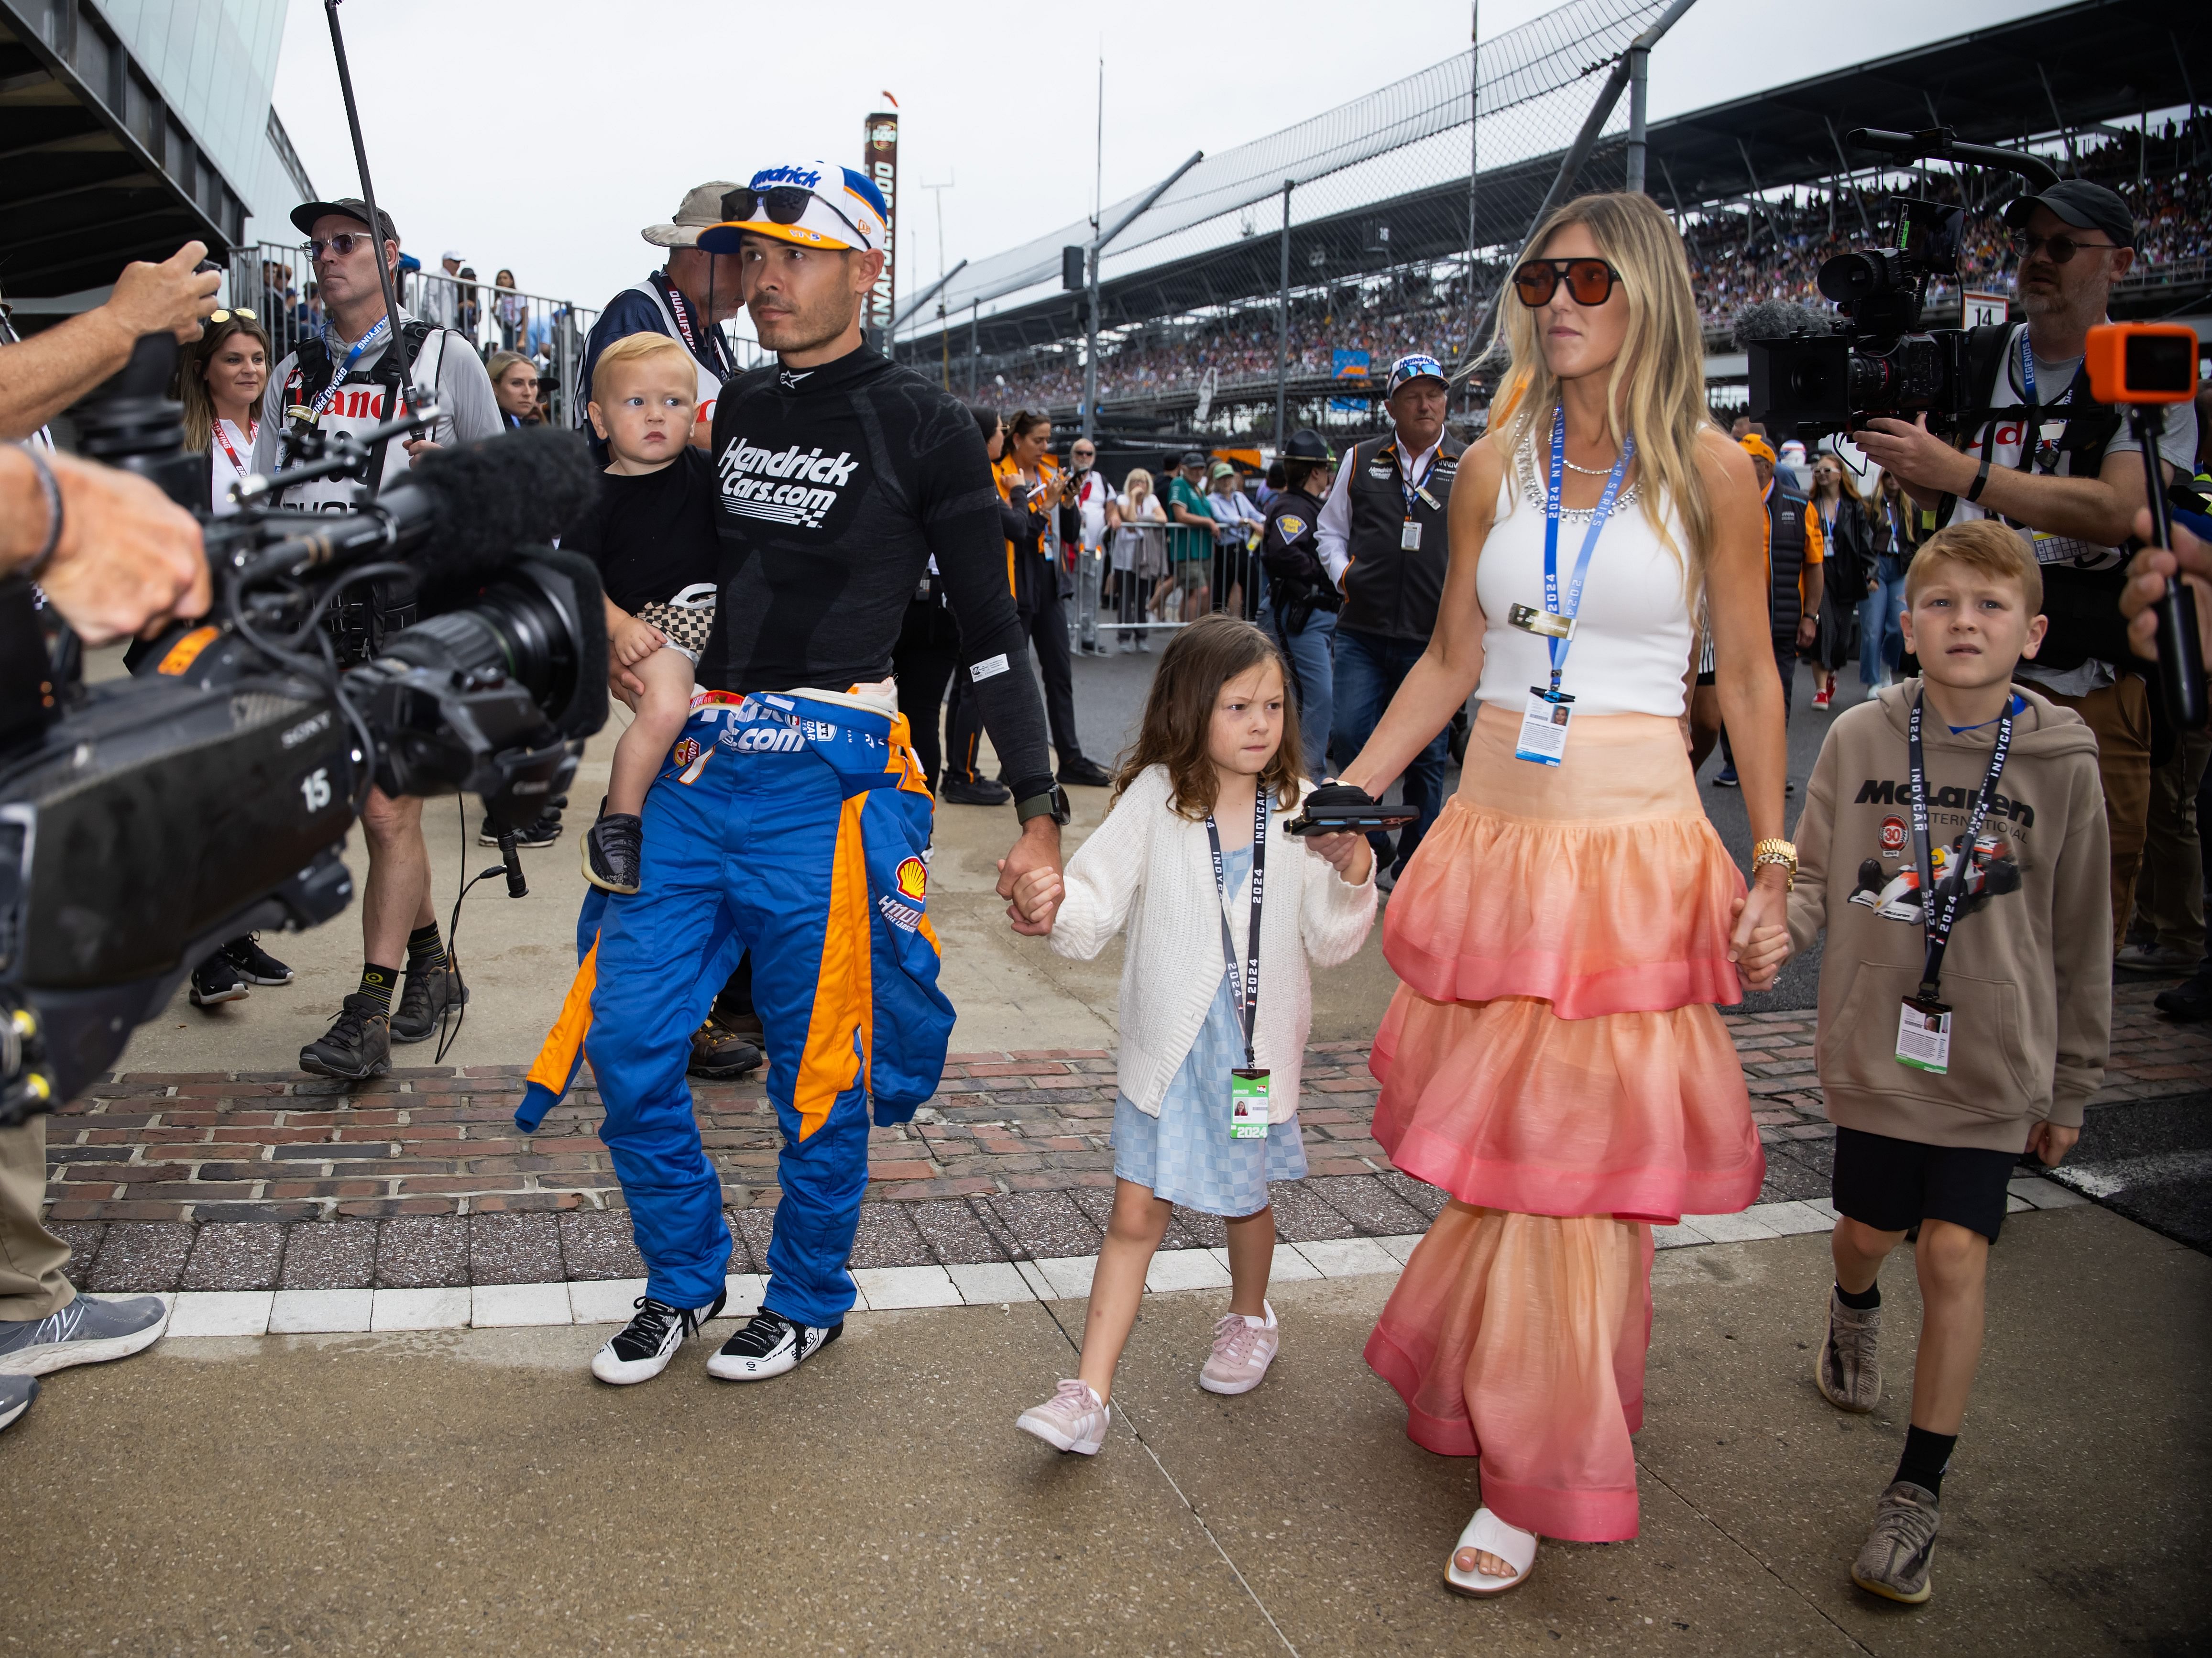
<point>2029,971</point>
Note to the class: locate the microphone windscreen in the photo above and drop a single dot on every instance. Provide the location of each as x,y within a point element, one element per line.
<point>522,488</point>
<point>1777,319</point>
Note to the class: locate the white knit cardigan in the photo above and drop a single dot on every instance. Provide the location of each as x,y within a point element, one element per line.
<point>1149,869</point>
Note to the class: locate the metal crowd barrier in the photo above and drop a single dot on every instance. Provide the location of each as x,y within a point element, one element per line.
<point>1159,577</point>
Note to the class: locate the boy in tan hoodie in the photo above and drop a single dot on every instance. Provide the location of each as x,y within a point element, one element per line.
<point>1947,1050</point>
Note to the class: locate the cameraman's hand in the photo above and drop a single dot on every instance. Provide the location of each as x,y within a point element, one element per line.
<point>173,297</point>
<point>2148,573</point>
<point>1917,455</point>
<point>131,560</point>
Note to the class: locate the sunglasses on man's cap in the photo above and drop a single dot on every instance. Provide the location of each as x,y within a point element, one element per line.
<point>780,204</point>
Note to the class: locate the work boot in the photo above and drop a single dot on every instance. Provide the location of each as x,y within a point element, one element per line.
<point>718,1052</point>
<point>423,1002</point>
<point>358,1044</point>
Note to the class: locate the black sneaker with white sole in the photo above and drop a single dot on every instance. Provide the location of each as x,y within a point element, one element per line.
<point>542,831</point>
<point>254,964</point>
<point>644,1346</point>
<point>768,1344</point>
<point>215,981</point>
<point>614,850</point>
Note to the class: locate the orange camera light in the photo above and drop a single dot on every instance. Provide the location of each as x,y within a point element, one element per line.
<point>2142,362</point>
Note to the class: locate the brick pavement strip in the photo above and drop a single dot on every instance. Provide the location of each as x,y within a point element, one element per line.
<point>262,1182</point>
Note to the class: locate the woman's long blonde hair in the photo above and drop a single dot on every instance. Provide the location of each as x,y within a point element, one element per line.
<point>1658,386</point>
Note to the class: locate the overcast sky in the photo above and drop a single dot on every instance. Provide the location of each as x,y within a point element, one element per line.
<point>543,135</point>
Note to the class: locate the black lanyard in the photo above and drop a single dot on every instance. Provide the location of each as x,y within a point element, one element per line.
<point>1245,988</point>
<point>1939,924</point>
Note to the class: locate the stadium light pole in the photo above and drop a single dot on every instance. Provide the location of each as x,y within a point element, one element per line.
<point>1639,71</point>
<point>1283,325</point>
<point>1094,254</point>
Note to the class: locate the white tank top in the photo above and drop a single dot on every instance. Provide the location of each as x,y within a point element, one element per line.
<point>1632,633</point>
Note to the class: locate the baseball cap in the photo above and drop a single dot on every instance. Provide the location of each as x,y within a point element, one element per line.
<point>1192,457</point>
<point>346,207</point>
<point>1755,445</point>
<point>810,203</point>
<point>1222,469</point>
<point>1416,366</point>
<point>702,206</point>
<point>455,255</point>
<point>2082,204</point>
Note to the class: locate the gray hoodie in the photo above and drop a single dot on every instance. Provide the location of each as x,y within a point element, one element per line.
<point>2029,971</point>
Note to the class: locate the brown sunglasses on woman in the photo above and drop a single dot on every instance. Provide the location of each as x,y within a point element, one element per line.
<point>1589,282</point>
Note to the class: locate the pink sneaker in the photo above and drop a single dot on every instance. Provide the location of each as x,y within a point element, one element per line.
<point>1243,1348</point>
<point>1073,1419</point>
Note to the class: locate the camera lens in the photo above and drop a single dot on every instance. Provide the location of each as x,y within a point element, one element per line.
<point>1858,275</point>
<point>514,628</point>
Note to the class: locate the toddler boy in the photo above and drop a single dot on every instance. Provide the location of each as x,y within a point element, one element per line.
<point>1944,1055</point>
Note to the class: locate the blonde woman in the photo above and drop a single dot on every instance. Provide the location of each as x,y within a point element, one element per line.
<point>1552,1058</point>
<point>1140,556</point>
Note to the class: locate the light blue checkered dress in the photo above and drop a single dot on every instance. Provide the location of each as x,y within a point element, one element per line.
<point>1185,1154</point>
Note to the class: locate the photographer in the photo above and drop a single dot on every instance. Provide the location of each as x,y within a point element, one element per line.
<point>346,379</point>
<point>115,557</point>
<point>2067,475</point>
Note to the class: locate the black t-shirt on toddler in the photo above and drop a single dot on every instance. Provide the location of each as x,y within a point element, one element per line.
<point>652,536</point>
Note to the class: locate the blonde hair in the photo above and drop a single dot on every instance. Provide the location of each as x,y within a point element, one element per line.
<point>1137,486</point>
<point>633,348</point>
<point>1981,544</point>
<point>503,361</point>
<point>1657,389</point>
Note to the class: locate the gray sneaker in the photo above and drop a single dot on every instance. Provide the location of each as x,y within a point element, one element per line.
<point>1894,1561</point>
<point>1845,1369</point>
<point>16,1392</point>
<point>86,1331</point>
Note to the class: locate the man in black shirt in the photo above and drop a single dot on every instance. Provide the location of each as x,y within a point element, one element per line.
<point>791,820</point>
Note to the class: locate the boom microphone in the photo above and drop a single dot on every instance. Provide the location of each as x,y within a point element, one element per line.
<point>1778,319</point>
<point>457,516</point>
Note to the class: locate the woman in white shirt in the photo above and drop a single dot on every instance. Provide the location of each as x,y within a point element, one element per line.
<point>1140,556</point>
<point>220,382</point>
<point>1552,1058</point>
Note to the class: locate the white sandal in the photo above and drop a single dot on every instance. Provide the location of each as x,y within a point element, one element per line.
<point>1491,1535</point>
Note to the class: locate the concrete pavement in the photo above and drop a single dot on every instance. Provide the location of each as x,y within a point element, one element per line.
<point>477,1490</point>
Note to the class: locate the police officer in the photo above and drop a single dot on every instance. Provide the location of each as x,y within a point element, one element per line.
<point>1302,602</point>
<point>1384,542</point>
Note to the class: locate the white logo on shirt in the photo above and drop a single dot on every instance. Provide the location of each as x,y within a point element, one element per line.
<point>785,486</point>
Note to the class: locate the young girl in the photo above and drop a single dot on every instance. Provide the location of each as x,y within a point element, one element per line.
<point>1216,762</point>
<point>653,537</point>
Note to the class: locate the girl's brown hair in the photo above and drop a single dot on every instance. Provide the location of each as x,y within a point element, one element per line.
<point>1179,714</point>
<point>192,376</point>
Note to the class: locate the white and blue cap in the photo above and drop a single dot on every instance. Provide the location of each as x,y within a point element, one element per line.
<point>1416,366</point>
<point>811,203</point>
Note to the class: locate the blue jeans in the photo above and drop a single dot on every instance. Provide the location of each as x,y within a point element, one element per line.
<point>1312,652</point>
<point>1881,636</point>
<point>1370,668</point>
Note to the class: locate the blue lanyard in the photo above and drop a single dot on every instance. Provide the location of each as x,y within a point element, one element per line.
<point>2030,432</point>
<point>1410,487</point>
<point>323,398</point>
<point>1559,646</point>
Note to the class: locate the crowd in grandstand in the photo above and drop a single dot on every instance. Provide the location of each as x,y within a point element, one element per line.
<point>1765,251</point>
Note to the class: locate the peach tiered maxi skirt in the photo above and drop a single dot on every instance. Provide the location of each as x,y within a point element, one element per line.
<point>1553,1059</point>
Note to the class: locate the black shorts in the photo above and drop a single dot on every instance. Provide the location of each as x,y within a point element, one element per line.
<point>1894,1185</point>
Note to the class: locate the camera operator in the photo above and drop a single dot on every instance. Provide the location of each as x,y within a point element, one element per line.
<point>43,376</point>
<point>2072,489</point>
<point>345,380</point>
<point>115,557</point>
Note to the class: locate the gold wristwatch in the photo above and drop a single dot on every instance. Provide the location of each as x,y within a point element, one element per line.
<point>1772,851</point>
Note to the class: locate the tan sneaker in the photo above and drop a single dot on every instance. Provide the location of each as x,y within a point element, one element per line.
<point>1845,1369</point>
<point>1073,1419</point>
<point>1898,1552</point>
<point>1243,1348</point>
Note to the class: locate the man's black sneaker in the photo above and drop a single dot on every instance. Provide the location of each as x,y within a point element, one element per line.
<point>718,1052</point>
<point>424,1001</point>
<point>980,792</point>
<point>649,1340</point>
<point>768,1345</point>
<point>541,832</point>
<point>613,849</point>
<point>357,1045</point>
<point>2189,1002</point>
<point>216,980</point>
<point>254,964</point>
<point>1086,774</point>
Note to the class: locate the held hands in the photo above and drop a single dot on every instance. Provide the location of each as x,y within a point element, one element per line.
<point>1349,855</point>
<point>2147,578</point>
<point>1760,942</point>
<point>1034,900</point>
